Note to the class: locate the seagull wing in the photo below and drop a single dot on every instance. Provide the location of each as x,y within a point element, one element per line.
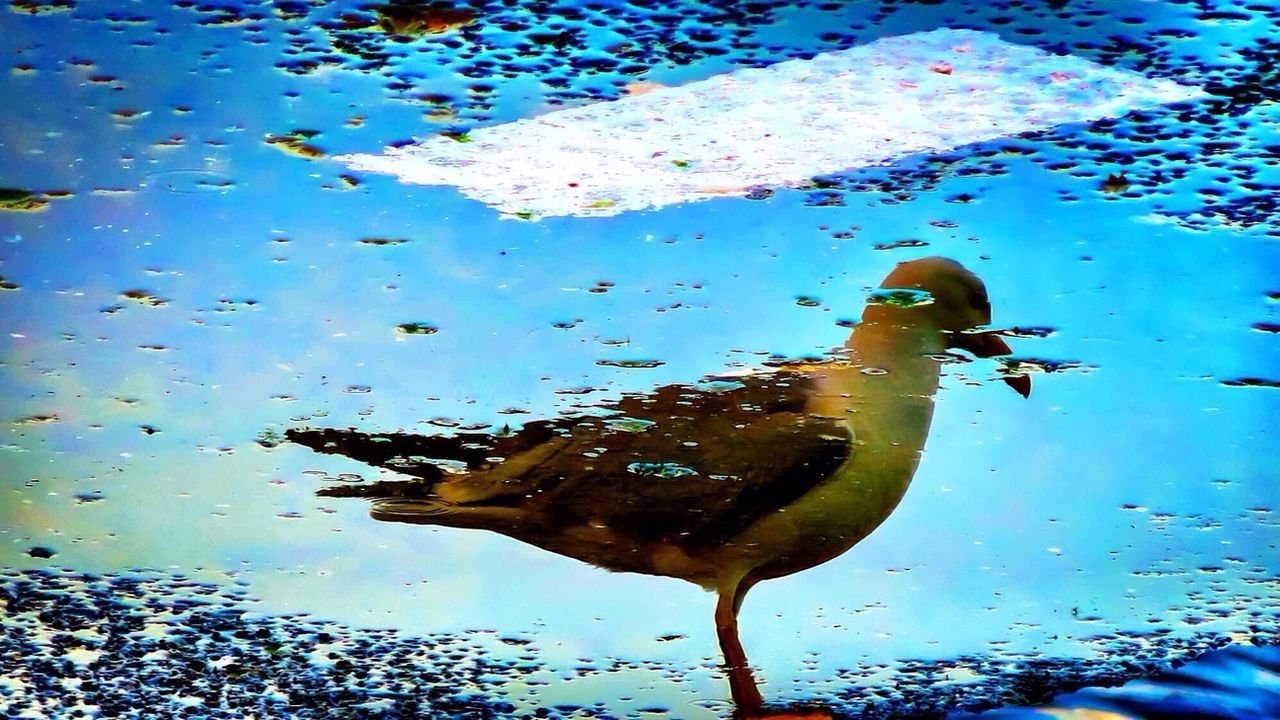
<point>691,465</point>
<point>712,461</point>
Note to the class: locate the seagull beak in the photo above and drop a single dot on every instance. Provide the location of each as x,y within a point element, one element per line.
<point>989,344</point>
<point>1021,384</point>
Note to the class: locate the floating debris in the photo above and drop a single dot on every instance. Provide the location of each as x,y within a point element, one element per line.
<point>269,438</point>
<point>909,243</point>
<point>37,420</point>
<point>1027,332</point>
<point>899,297</point>
<point>296,143</point>
<point>417,328</point>
<point>125,114</point>
<point>1252,382</point>
<point>666,470</point>
<point>631,364</point>
<point>143,297</point>
<point>15,200</point>
<point>1022,366</point>
<point>1115,182</point>
<point>408,21</point>
<point>629,424</point>
<point>88,498</point>
<point>41,7</point>
<point>230,305</point>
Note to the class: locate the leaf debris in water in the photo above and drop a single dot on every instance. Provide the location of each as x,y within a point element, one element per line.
<point>404,21</point>
<point>1115,182</point>
<point>629,424</point>
<point>417,328</point>
<point>1024,366</point>
<point>144,297</point>
<point>1252,382</point>
<point>909,243</point>
<point>37,419</point>
<point>36,7</point>
<point>295,143</point>
<point>15,200</point>
<point>660,469</point>
<point>899,297</point>
<point>631,363</point>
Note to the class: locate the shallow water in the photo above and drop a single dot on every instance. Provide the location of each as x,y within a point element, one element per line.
<point>193,277</point>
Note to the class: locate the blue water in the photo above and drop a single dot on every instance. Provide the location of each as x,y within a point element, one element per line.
<point>1119,519</point>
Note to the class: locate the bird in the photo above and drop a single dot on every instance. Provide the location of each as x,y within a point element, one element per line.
<point>724,482</point>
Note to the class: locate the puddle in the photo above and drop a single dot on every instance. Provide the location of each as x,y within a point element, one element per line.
<point>278,430</point>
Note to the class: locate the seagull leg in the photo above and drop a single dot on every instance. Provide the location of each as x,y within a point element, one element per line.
<point>742,685</point>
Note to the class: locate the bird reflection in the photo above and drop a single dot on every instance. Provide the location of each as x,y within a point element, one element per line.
<point>723,483</point>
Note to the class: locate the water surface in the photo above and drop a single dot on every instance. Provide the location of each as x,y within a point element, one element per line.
<point>190,277</point>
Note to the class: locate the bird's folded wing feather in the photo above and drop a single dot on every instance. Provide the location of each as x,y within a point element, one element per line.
<point>686,464</point>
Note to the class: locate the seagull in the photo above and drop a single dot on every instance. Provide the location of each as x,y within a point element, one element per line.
<point>723,483</point>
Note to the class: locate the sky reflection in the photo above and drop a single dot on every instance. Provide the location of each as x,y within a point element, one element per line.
<point>1124,511</point>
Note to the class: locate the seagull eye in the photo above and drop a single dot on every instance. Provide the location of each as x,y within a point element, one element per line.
<point>978,300</point>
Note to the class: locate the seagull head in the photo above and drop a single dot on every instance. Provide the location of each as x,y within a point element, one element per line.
<point>943,293</point>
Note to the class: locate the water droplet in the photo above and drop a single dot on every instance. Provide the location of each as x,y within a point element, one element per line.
<point>664,470</point>
<point>900,297</point>
<point>417,328</point>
